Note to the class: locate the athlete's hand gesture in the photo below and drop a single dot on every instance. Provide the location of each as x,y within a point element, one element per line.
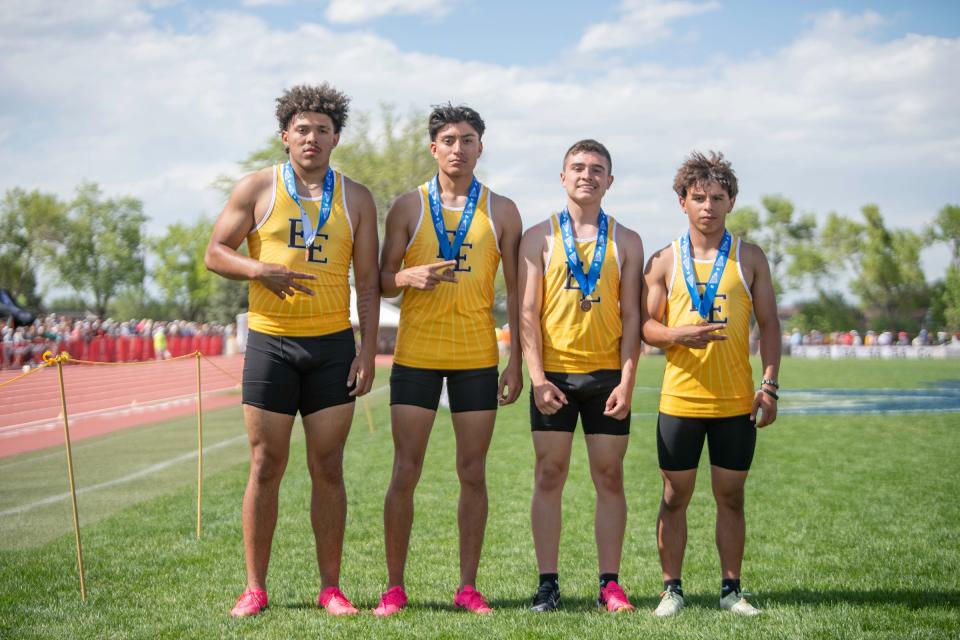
<point>427,276</point>
<point>281,280</point>
<point>618,404</point>
<point>698,336</point>
<point>766,406</point>
<point>548,398</point>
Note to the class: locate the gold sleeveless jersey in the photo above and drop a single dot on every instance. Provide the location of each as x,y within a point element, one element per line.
<point>715,382</point>
<point>451,327</point>
<point>574,340</point>
<point>278,238</point>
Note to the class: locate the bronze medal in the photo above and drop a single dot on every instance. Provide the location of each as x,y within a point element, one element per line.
<point>585,305</point>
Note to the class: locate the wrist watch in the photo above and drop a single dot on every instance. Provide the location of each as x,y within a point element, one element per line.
<point>769,382</point>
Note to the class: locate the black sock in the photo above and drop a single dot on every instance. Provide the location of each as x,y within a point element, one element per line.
<point>608,577</point>
<point>729,584</point>
<point>673,585</point>
<point>552,578</point>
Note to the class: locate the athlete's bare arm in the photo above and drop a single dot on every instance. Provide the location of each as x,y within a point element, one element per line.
<point>653,304</point>
<point>533,246</point>
<point>400,227</point>
<point>366,276</point>
<point>506,219</point>
<point>757,271</point>
<point>247,204</point>
<point>630,250</point>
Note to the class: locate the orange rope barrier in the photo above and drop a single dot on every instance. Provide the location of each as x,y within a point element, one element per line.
<point>219,368</point>
<point>186,355</point>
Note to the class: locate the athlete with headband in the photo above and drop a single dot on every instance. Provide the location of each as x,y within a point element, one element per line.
<point>580,278</point>
<point>442,246</point>
<point>304,224</point>
<point>698,296</point>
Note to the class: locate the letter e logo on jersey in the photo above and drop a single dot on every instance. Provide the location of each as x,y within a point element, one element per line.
<point>716,310</point>
<point>297,242</point>
<point>462,257</point>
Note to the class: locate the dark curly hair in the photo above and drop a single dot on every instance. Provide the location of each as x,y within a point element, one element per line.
<point>444,114</point>
<point>305,98</point>
<point>591,146</point>
<point>700,170</point>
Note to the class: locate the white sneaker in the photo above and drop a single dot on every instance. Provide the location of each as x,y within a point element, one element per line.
<point>735,602</point>
<point>671,603</point>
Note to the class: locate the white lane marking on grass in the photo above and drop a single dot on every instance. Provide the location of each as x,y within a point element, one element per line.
<point>136,475</point>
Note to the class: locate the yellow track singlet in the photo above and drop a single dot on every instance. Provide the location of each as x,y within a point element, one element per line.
<point>279,239</point>
<point>451,327</point>
<point>574,340</point>
<point>715,382</point>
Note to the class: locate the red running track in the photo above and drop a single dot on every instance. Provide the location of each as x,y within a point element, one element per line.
<point>104,398</point>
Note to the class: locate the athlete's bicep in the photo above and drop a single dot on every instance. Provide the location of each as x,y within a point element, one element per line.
<point>365,240</point>
<point>530,270</point>
<point>761,288</point>
<point>396,236</point>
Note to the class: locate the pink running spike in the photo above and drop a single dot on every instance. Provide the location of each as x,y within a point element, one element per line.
<point>472,600</point>
<point>392,601</point>
<point>250,603</point>
<point>336,604</point>
<point>614,598</point>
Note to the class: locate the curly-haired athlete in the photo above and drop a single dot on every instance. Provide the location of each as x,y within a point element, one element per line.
<point>304,224</point>
<point>698,296</point>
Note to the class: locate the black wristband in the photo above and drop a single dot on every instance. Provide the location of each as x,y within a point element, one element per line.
<point>769,382</point>
<point>770,393</point>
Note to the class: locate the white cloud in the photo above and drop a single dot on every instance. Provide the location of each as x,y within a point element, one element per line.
<point>833,120</point>
<point>353,11</point>
<point>641,22</point>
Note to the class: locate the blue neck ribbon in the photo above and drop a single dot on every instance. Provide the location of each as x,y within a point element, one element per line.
<point>587,281</point>
<point>705,304</point>
<point>326,200</point>
<point>436,211</point>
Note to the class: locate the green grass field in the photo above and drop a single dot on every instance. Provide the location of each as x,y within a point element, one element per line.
<point>853,530</point>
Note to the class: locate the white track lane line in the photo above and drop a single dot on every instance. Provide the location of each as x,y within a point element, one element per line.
<point>136,475</point>
<point>160,466</point>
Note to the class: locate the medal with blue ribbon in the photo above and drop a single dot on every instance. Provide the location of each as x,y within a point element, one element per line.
<point>326,200</point>
<point>704,305</point>
<point>447,251</point>
<point>587,281</point>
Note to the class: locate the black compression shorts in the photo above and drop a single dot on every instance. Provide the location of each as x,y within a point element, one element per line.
<point>290,374</point>
<point>467,389</point>
<point>680,441</point>
<point>587,395</point>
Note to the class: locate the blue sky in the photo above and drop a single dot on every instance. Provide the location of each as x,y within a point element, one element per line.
<point>831,104</point>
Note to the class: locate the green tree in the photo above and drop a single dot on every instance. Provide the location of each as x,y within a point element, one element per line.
<point>390,160</point>
<point>187,285</point>
<point>787,240</point>
<point>885,264</point>
<point>102,248</point>
<point>30,224</point>
<point>827,312</point>
<point>946,297</point>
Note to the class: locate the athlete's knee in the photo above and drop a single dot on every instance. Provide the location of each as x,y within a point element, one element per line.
<point>406,473</point>
<point>675,499</point>
<point>267,467</point>
<point>608,478</point>
<point>550,474</point>
<point>729,498</point>
<point>326,469</point>
<point>472,474</point>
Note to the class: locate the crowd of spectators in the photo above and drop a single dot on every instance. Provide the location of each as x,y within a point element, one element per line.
<point>871,338</point>
<point>22,346</point>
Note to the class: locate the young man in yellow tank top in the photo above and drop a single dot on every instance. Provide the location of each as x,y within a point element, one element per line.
<point>580,277</point>
<point>443,244</point>
<point>304,224</point>
<point>699,294</point>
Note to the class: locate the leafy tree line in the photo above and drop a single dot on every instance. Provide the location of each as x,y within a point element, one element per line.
<point>97,247</point>
<point>878,265</point>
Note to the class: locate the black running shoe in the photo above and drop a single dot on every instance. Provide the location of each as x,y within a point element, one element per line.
<point>547,598</point>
